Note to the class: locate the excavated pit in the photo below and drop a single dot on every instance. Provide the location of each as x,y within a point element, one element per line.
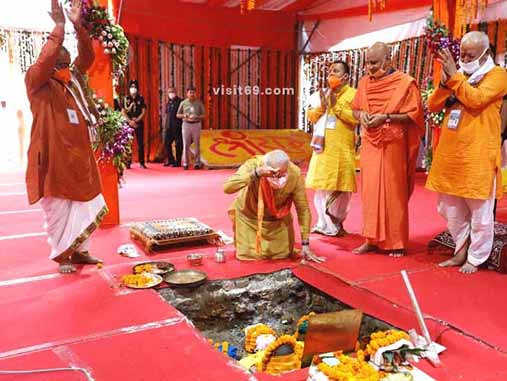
<point>222,309</point>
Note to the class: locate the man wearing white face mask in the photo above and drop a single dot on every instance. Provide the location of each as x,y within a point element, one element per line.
<point>466,165</point>
<point>261,214</point>
<point>134,109</point>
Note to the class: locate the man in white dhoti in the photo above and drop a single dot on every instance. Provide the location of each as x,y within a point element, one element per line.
<point>332,169</point>
<point>466,166</point>
<point>62,171</point>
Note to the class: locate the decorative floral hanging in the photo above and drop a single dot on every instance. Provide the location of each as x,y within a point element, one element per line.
<point>103,28</point>
<point>374,5</point>
<point>247,6</point>
<point>466,12</point>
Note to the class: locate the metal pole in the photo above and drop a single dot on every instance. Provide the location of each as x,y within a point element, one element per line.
<point>415,304</point>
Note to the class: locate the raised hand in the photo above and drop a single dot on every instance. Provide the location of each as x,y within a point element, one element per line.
<point>323,100</point>
<point>57,13</point>
<point>267,171</point>
<point>448,64</point>
<point>74,13</point>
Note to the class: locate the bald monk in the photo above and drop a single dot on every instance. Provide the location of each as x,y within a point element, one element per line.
<point>262,222</point>
<point>466,166</point>
<point>389,107</point>
<point>62,172</point>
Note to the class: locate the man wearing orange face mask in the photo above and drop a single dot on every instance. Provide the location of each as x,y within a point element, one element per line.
<point>389,107</point>
<point>262,222</point>
<point>332,172</point>
<point>62,171</point>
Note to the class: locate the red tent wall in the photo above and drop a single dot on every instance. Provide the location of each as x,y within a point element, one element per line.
<point>198,24</point>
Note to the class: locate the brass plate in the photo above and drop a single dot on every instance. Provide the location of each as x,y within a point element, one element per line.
<point>185,278</point>
<point>159,267</point>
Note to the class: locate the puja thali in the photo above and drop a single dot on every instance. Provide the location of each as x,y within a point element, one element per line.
<point>141,281</point>
<point>185,278</point>
<point>154,267</point>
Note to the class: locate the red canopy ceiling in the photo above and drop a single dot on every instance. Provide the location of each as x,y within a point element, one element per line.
<point>272,24</point>
<point>316,9</point>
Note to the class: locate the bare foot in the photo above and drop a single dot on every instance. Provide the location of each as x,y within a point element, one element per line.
<point>468,268</point>
<point>459,259</point>
<point>397,253</point>
<point>84,258</point>
<point>341,231</point>
<point>66,268</point>
<point>364,248</point>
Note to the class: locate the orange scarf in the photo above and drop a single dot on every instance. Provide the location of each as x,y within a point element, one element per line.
<point>267,198</point>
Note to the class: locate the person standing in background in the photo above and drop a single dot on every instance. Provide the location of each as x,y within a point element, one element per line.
<point>191,110</point>
<point>172,129</point>
<point>134,109</point>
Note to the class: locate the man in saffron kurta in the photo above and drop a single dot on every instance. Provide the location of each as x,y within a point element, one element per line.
<point>61,170</point>
<point>332,172</point>
<point>389,107</point>
<point>261,213</point>
<point>466,167</point>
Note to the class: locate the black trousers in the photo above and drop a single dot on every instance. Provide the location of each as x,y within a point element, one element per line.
<point>173,135</point>
<point>139,133</point>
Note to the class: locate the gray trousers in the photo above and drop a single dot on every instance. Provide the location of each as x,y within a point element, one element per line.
<point>191,134</point>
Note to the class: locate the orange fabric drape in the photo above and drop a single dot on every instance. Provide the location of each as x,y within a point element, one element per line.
<point>100,80</point>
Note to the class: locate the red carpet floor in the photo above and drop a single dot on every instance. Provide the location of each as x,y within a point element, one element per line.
<point>87,320</point>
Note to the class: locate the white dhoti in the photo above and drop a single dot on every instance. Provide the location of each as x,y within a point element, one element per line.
<point>69,224</point>
<point>332,208</point>
<point>470,218</point>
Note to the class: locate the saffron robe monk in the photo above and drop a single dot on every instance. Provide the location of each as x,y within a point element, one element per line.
<point>466,167</point>
<point>389,107</point>
<point>62,171</point>
<point>261,213</point>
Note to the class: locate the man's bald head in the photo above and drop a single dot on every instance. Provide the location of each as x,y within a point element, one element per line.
<point>276,159</point>
<point>473,46</point>
<point>378,59</point>
<point>381,49</point>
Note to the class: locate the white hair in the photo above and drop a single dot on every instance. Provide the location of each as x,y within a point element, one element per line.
<point>276,158</point>
<point>477,37</point>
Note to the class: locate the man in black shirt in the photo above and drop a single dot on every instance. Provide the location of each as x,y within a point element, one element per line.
<point>172,129</point>
<point>133,109</point>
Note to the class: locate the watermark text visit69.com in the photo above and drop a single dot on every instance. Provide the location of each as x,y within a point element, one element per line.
<point>252,90</point>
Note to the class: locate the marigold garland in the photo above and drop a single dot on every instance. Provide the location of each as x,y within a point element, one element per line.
<point>253,332</point>
<point>271,349</point>
<point>383,339</point>
<point>349,368</point>
<point>303,319</point>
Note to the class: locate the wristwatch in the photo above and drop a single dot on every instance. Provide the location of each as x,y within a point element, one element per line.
<point>388,118</point>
